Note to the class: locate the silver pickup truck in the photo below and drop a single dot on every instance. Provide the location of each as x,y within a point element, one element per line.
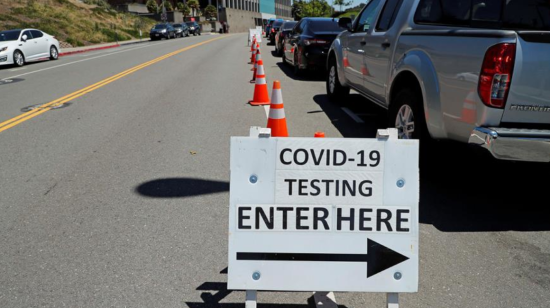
<point>475,71</point>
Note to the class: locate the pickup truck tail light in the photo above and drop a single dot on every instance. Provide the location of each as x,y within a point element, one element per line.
<point>316,42</point>
<point>496,75</point>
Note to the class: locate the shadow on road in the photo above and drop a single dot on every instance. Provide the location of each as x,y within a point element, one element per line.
<point>218,291</point>
<point>180,187</point>
<point>372,115</point>
<point>304,76</point>
<point>461,189</point>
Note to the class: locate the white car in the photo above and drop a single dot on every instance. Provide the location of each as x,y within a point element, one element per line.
<point>20,46</point>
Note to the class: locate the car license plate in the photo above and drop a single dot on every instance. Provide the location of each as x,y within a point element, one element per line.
<point>157,34</point>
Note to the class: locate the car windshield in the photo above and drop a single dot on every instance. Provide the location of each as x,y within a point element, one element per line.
<point>190,24</point>
<point>278,24</point>
<point>328,25</point>
<point>12,35</point>
<point>289,25</point>
<point>176,26</point>
<point>160,27</point>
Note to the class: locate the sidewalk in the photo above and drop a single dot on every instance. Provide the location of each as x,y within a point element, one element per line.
<point>70,51</point>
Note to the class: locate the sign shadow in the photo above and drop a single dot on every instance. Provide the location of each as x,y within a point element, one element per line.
<point>180,187</point>
<point>218,291</point>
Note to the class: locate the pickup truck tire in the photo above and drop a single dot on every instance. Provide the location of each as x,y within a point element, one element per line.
<point>406,115</point>
<point>336,92</point>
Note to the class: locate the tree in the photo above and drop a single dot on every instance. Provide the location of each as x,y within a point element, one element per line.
<point>185,10</point>
<point>152,6</point>
<point>210,11</point>
<point>342,3</point>
<point>194,5</point>
<point>168,6</point>
<point>312,8</point>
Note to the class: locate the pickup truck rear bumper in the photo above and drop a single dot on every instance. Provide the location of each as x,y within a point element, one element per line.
<point>528,145</point>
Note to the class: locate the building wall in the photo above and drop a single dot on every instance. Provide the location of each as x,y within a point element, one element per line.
<point>267,6</point>
<point>240,20</point>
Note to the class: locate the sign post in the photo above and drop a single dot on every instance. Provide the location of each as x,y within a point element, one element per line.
<point>322,214</point>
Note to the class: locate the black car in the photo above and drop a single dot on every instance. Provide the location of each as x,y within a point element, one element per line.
<point>273,31</point>
<point>306,47</point>
<point>160,31</point>
<point>181,29</point>
<point>281,35</point>
<point>194,27</point>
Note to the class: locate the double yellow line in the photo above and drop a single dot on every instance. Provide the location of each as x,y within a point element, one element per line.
<point>48,106</point>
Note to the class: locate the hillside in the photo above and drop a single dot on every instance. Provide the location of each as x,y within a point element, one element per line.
<point>72,21</point>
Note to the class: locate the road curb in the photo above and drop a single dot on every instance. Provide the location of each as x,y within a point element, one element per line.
<point>62,54</point>
<point>100,48</point>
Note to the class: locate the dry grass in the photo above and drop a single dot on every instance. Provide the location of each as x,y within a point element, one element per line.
<point>72,21</point>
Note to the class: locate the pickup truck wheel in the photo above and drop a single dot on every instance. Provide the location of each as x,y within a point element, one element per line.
<point>406,115</point>
<point>335,91</point>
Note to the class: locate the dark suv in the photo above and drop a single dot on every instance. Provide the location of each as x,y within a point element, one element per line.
<point>273,31</point>
<point>160,31</point>
<point>194,27</point>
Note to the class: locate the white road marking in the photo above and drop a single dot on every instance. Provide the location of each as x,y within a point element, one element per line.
<point>74,62</point>
<point>352,115</point>
<point>266,108</point>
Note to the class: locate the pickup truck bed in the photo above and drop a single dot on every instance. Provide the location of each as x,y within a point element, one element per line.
<point>472,78</point>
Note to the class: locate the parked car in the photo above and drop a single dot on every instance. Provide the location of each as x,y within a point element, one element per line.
<point>181,29</point>
<point>160,31</point>
<point>283,32</point>
<point>194,28</point>
<point>308,44</point>
<point>273,31</point>
<point>25,45</point>
<point>268,26</point>
<point>416,58</point>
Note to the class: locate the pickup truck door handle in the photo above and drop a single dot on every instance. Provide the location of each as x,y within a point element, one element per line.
<point>386,45</point>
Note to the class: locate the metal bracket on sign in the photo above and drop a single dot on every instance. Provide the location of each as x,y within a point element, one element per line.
<point>390,133</point>
<point>260,132</point>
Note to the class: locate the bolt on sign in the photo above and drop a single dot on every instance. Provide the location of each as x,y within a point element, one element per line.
<point>321,214</point>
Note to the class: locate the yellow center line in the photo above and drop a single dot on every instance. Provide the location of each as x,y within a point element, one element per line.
<point>48,106</point>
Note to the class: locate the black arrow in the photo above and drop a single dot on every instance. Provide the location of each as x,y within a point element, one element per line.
<point>378,257</point>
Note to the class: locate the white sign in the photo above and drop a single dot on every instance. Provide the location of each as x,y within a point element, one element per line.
<point>320,214</point>
<point>254,32</point>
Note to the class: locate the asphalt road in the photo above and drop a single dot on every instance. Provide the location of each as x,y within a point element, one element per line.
<point>118,197</point>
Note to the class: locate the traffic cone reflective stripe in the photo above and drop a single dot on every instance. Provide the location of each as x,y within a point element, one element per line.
<point>277,119</point>
<point>261,97</point>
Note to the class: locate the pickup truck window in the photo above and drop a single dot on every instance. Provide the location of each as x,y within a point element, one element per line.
<point>366,19</point>
<point>497,14</point>
<point>389,12</point>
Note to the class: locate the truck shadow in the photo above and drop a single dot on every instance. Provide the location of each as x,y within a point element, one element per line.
<point>461,189</point>
<point>318,76</point>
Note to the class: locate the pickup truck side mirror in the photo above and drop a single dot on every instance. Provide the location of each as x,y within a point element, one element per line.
<point>345,23</point>
<point>24,38</point>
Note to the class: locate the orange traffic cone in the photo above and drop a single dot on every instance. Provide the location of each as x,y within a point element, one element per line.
<point>253,43</point>
<point>261,97</point>
<point>277,119</point>
<point>253,56</point>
